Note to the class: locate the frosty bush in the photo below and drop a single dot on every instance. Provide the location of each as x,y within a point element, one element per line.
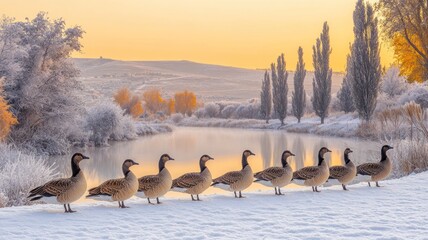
<point>177,117</point>
<point>410,156</point>
<point>392,83</point>
<point>212,110</point>
<point>418,92</point>
<point>106,121</point>
<point>199,113</point>
<point>19,173</point>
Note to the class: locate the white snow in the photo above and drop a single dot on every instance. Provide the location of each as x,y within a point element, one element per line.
<point>397,210</point>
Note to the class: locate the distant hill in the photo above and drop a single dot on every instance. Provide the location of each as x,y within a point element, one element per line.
<point>209,82</point>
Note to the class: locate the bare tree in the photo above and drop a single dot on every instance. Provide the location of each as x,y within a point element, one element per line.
<point>266,98</point>
<point>299,95</point>
<point>322,80</point>
<point>280,88</point>
<point>365,58</point>
<point>344,94</point>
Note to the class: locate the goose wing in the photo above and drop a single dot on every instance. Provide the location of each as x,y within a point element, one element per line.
<point>338,172</point>
<point>229,178</point>
<point>306,173</point>
<point>109,187</point>
<point>148,182</point>
<point>369,169</point>
<point>269,173</point>
<point>188,180</point>
<point>52,188</point>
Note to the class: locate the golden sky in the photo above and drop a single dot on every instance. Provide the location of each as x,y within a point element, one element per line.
<point>241,33</point>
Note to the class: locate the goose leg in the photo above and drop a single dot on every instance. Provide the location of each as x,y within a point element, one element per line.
<point>313,189</point>
<point>276,193</point>
<point>148,199</point>
<point>344,187</point>
<point>240,195</point>
<point>279,191</point>
<point>235,194</point>
<point>316,189</point>
<point>123,205</point>
<point>157,200</point>
<point>65,207</point>
<point>69,209</point>
<point>192,197</point>
<point>197,197</point>
<point>377,184</point>
<point>369,184</point>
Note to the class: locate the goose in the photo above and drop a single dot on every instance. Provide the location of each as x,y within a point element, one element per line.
<point>237,181</point>
<point>119,189</point>
<point>196,182</point>
<point>377,171</point>
<point>63,190</point>
<point>276,177</point>
<point>314,175</point>
<point>343,174</point>
<point>155,186</point>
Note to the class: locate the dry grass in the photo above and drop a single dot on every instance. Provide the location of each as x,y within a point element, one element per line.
<point>410,156</point>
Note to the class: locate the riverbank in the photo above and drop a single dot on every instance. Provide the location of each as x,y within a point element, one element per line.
<point>394,211</point>
<point>340,125</point>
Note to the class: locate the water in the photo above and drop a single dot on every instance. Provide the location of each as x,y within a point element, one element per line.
<point>187,144</point>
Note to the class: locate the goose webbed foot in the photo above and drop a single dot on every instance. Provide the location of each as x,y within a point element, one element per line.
<point>197,197</point>
<point>279,192</point>
<point>344,187</point>
<point>316,189</point>
<point>69,209</point>
<point>192,197</point>
<point>157,200</point>
<point>148,199</point>
<point>377,184</point>
<point>122,205</point>
<point>240,195</point>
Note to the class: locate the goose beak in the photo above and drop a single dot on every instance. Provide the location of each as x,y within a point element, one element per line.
<point>391,148</point>
<point>135,163</point>
<point>328,150</point>
<point>171,158</point>
<point>292,154</point>
<point>85,157</point>
<point>252,154</point>
<point>211,158</point>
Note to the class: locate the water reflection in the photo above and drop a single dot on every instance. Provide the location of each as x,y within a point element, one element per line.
<point>186,145</point>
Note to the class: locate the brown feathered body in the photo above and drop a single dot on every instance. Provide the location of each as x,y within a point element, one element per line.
<point>275,176</point>
<point>344,174</point>
<point>119,189</point>
<point>376,171</point>
<point>193,183</point>
<point>154,186</point>
<point>236,180</point>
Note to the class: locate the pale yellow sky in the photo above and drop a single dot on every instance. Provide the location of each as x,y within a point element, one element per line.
<point>242,33</point>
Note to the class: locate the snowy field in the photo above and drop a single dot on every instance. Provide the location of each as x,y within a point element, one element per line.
<point>398,210</point>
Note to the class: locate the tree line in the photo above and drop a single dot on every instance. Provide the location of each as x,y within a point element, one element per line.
<point>360,85</point>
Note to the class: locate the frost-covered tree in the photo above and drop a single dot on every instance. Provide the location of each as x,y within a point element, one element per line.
<point>322,79</point>
<point>266,98</point>
<point>40,82</point>
<point>365,58</point>
<point>344,95</point>
<point>299,94</point>
<point>392,83</point>
<point>280,88</point>
<point>212,110</point>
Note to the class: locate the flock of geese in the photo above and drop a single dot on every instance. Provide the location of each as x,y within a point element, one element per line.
<point>67,190</point>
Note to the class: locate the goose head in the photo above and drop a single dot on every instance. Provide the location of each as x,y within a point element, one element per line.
<point>248,153</point>
<point>347,152</point>
<point>163,159</point>
<point>204,159</point>
<point>383,152</point>
<point>75,160</point>
<point>321,153</point>
<point>286,154</point>
<point>127,164</point>
<point>245,155</point>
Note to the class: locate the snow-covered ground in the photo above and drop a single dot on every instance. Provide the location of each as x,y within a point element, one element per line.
<point>339,125</point>
<point>398,210</point>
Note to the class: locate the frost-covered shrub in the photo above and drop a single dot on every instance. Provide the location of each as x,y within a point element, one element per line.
<point>212,110</point>
<point>125,130</point>
<point>177,117</point>
<point>392,83</point>
<point>384,102</point>
<point>19,173</point>
<point>418,92</point>
<point>106,121</point>
<point>199,113</point>
<point>228,111</point>
<point>144,129</point>
<point>410,156</point>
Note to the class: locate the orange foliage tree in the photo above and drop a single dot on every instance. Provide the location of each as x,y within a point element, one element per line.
<point>185,102</point>
<point>7,120</point>
<point>411,63</point>
<point>131,104</point>
<point>154,101</point>
<point>170,106</point>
